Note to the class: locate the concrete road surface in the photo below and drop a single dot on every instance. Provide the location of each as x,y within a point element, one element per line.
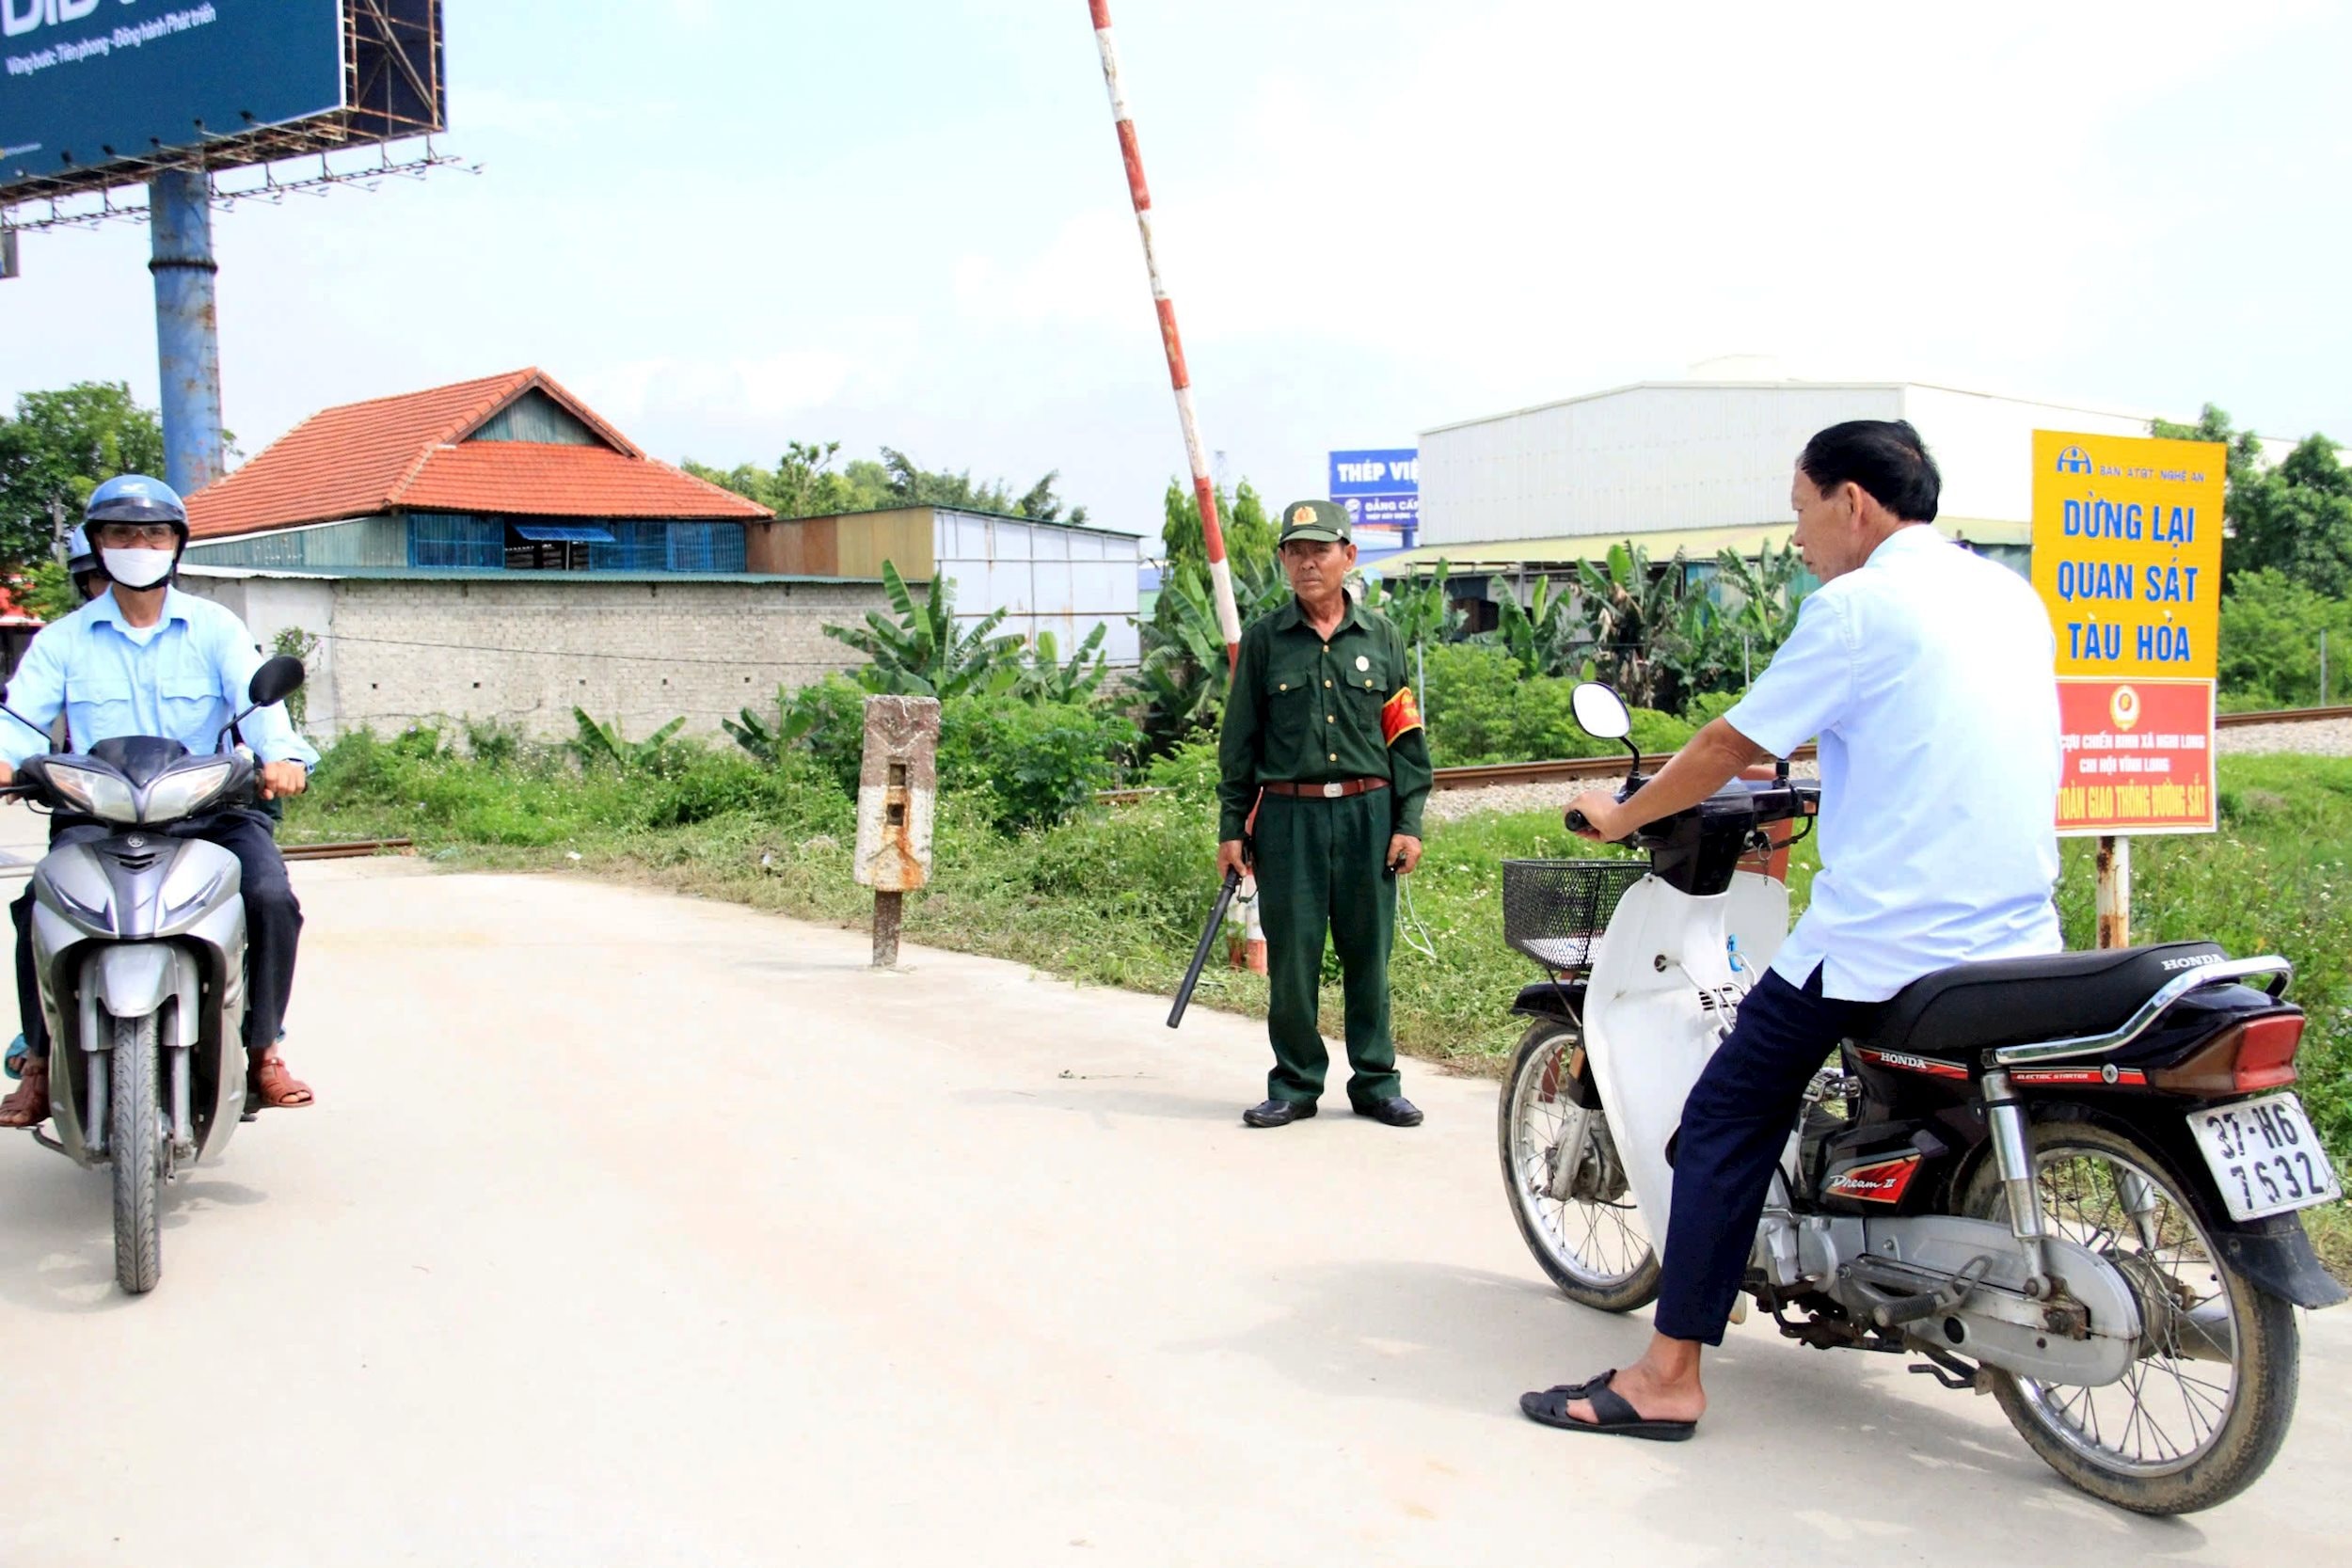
<point>636,1230</point>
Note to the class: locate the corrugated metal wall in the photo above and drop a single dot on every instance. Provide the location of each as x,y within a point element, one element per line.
<point>1635,461</point>
<point>1051,579</point>
<point>449,540</point>
<point>367,542</point>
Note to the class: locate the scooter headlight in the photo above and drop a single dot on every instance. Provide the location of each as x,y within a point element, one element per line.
<point>101,795</point>
<point>178,793</point>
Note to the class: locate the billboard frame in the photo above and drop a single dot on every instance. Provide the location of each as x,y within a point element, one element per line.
<point>394,87</point>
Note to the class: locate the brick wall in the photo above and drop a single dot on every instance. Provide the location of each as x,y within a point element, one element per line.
<point>526,650</point>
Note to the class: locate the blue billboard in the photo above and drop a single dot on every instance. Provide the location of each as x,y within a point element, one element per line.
<point>1380,486</point>
<point>90,82</point>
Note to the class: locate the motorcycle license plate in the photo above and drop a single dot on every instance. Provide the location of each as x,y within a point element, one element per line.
<point>2264,1156</point>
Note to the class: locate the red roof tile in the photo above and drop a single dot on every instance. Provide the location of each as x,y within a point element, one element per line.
<point>362,459</point>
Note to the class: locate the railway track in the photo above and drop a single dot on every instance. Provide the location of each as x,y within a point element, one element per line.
<point>1571,769</point>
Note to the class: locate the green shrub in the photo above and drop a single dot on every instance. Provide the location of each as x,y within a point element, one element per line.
<point>1190,769</point>
<point>1038,762</point>
<point>1482,709</point>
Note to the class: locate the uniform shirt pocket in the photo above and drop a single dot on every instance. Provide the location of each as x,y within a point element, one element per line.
<point>1292,714</point>
<point>98,707</point>
<point>190,702</point>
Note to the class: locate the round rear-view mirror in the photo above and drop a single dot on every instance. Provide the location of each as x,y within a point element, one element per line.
<point>1601,712</point>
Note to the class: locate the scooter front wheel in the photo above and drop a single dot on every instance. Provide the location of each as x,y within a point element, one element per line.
<point>135,1146</point>
<point>1567,1186</point>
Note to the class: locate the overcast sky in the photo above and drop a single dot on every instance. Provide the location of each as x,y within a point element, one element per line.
<point>729,223</point>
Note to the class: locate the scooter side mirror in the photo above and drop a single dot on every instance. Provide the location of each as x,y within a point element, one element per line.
<point>1600,712</point>
<point>276,680</point>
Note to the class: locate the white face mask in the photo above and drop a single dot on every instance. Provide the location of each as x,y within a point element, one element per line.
<point>137,568</point>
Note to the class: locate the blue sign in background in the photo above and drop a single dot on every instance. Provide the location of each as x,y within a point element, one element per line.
<point>128,74</point>
<point>1378,472</point>
<point>1380,486</point>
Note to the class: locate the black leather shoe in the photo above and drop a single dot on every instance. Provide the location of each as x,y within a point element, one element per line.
<point>1399,1112</point>
<point>1278,1112</point>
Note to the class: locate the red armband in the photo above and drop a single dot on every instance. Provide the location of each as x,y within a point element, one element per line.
<point>1399,715</point>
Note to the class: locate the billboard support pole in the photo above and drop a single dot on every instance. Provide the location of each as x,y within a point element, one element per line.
<point>187,326</point>
<point>2114,896</point>
<point>1203,488</point>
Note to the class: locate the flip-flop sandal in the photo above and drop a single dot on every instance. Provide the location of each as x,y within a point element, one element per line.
<point>1613,1416</point>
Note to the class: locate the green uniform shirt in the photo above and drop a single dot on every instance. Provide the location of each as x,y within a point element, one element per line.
<point>1307,711</point>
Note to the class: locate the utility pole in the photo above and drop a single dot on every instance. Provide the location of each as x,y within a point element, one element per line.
<point>188,326</point>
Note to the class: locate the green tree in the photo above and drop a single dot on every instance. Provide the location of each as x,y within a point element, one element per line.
<point>2271,624</point>
<point>1250,533</point>
<point>61,445</point>
<point>804,484</point>
<point>2295,518</point>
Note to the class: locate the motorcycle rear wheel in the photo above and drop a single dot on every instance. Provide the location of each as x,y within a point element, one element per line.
<point>1592,1244</point>
<point>134,1147</point>
<point>2178,1433</point>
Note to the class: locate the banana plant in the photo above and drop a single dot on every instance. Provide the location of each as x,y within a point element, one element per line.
<point>1043,678</point>
<point>1542,637</point>
<point>924,653</point>
<point>598,743</point>
<point>769,740</point>
<point>1418,607</point>
<point>1633,613</point>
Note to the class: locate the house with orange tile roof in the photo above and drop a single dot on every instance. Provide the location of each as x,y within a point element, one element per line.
<point>508,472</point>
<point>494,550</point>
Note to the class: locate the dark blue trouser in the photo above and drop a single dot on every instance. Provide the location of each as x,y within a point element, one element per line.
<point>1734,1127</point>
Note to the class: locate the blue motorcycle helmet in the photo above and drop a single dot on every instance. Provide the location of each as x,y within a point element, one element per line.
<point>136,498</point>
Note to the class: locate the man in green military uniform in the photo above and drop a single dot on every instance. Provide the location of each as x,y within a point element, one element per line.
<point>1322,737</point>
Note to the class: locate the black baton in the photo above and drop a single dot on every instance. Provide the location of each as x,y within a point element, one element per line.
<point>1200,953</point>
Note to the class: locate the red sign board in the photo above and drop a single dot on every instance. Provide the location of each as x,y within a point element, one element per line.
<point>2139,756</point>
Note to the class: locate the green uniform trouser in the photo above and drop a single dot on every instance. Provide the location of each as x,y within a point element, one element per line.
<point>1320,867</point>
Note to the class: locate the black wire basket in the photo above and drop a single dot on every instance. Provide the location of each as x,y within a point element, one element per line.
<point>1552,909</point>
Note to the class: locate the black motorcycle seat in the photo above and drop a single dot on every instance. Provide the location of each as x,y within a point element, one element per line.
<point>1975,1006</point>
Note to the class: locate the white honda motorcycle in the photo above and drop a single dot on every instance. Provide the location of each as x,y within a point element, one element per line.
<point>2069,1181</point>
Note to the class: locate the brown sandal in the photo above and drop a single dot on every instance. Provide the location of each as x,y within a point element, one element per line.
<point>270,1087</point>
<point>29,1106</point>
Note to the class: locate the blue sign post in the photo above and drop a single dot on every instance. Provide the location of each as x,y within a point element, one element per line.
<point>1381,489</point>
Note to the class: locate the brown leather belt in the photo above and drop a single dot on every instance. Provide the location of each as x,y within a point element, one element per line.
<point>1339,789</point>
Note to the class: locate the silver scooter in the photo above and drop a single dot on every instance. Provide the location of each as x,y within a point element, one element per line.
<point>138,944</point>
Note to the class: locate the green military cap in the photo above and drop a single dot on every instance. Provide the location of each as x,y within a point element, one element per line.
<point>1322,521</point>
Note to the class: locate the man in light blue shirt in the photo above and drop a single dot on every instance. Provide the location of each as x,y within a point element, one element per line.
<point>1927,672</point>
<point>144,659</point>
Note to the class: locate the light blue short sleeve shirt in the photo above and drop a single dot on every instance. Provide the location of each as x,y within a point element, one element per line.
<point>1928,677</point>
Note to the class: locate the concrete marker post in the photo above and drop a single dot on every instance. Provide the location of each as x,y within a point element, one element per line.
<point>898,790</point>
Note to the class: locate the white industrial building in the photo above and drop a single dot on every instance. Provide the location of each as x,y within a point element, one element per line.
<point>1701,466</point>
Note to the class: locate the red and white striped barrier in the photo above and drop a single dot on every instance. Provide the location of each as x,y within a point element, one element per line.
<point>1220,574</point>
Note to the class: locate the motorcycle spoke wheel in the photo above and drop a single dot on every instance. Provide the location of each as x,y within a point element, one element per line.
<point>2203,1406</point>
<point>1592,1243</point>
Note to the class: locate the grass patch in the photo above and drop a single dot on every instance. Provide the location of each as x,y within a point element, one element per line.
<point>1116,897</point>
